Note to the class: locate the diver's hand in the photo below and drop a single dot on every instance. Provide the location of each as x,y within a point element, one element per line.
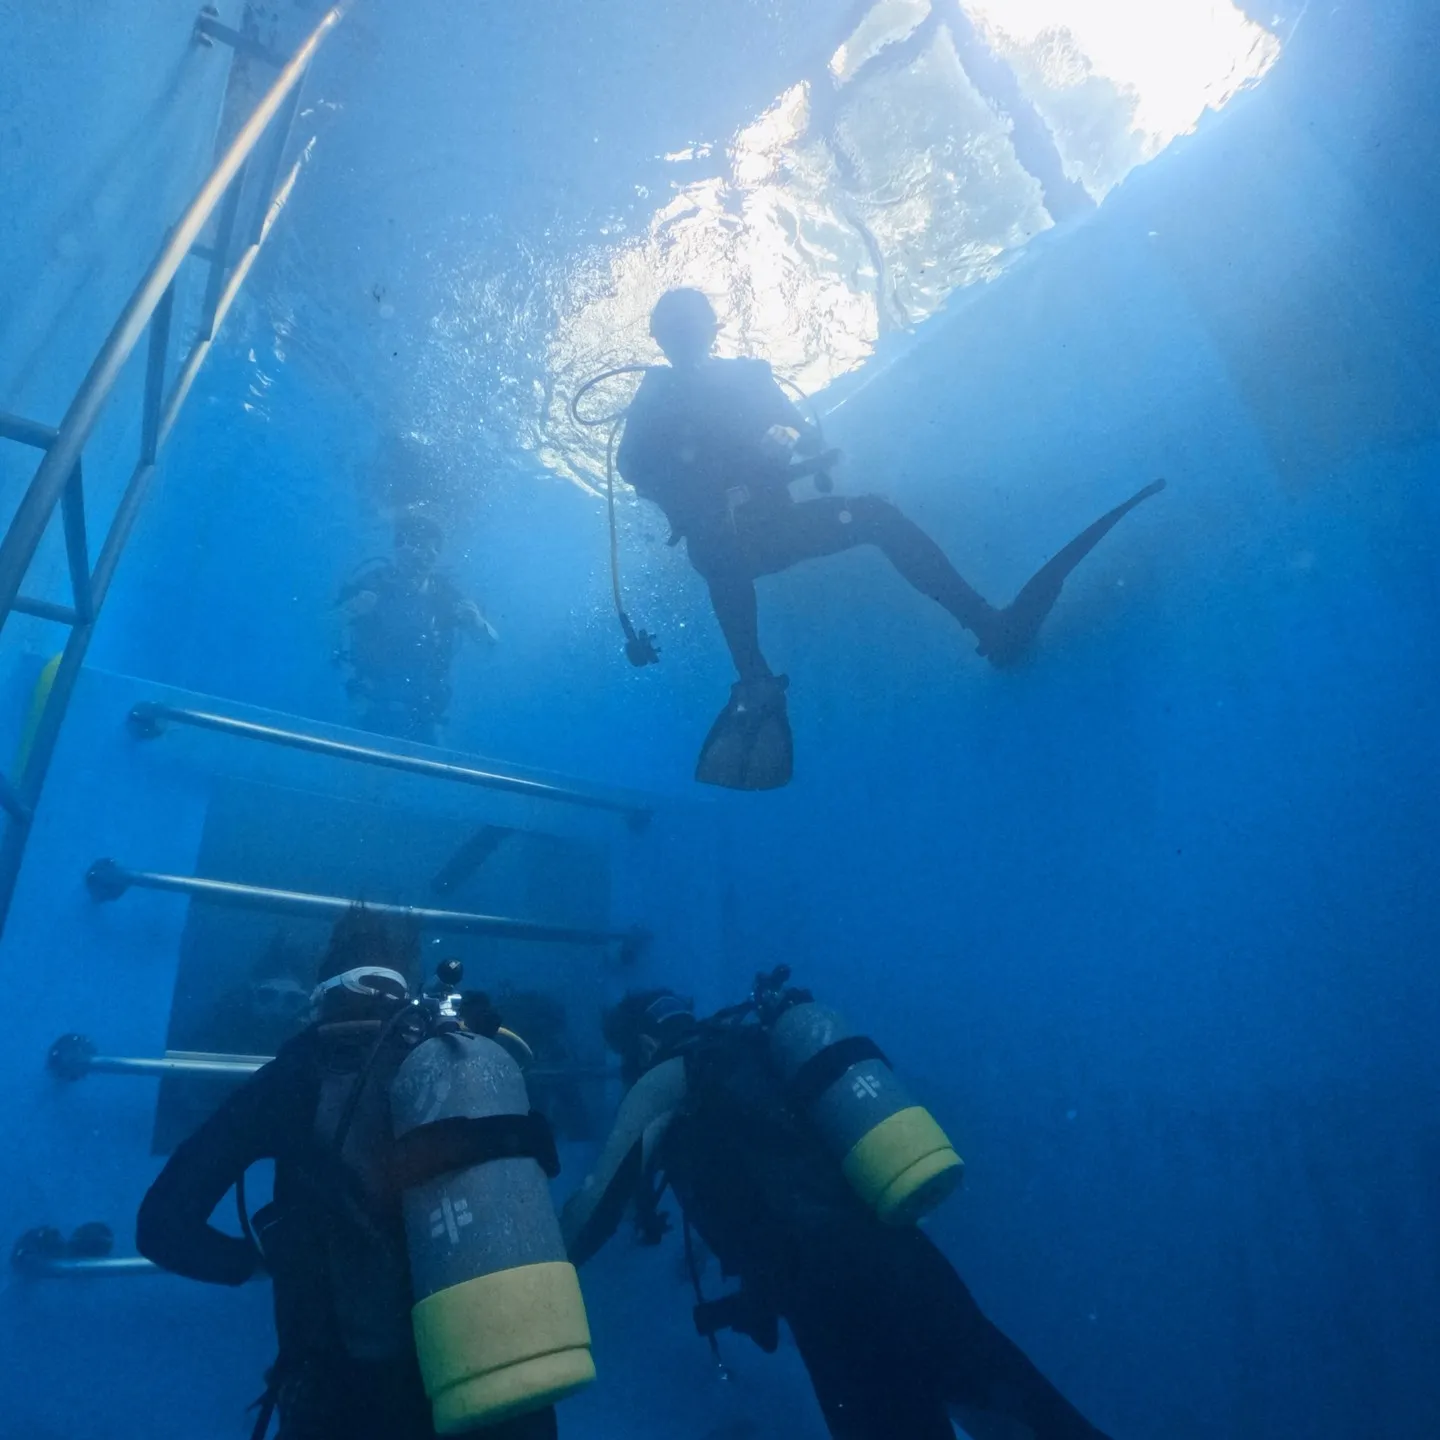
<point>360,603</point>
<point>815,465</point>
<point>467,614</point>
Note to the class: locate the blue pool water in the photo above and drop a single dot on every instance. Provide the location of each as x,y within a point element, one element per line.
<point>1148,919</point>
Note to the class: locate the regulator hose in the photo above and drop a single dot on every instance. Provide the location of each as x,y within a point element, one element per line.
<point>640,646</point>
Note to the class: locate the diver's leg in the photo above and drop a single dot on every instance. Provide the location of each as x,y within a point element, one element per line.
<point>732,593</point>
<point>975,1365</point>
<point>920,561</point>
<point>750,746</point>
<point>814,528</point>
<point>720,559</point>
<point>823,527</point>
<point>864,1391</point>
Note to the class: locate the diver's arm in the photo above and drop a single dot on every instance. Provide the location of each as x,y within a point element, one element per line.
<point>778,409</point>
<point>472,621</point>
<point>592,1213</point>
<point>362,594</point>
<point>173,1226</point>
<point>362,602</point>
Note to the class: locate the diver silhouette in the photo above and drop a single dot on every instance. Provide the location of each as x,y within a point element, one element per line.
<point>406,623</point>
<point>716,443</point>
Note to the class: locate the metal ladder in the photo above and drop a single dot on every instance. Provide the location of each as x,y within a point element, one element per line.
<point>59,480</point>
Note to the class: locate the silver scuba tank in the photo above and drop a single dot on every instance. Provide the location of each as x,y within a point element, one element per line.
<point>499,1322</point>
<point>894,1154</point>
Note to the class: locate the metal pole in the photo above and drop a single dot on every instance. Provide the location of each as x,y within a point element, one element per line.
<point>26,432</point>
<point>146,721</point>
<point>108,881</point>
<point>210,27</point>
<point>191,368</point>
<point>22,539</point>
<point>45,610</point>
<point>183,1062</point>
<point>220,256</point>
<point>238,1066</point>
<point>111,1267</point>
<point>77,549</point>
<point>270,175</point>
<point>155,376</point>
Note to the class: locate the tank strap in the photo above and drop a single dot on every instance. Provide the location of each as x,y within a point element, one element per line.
<point>823,1069</point>
<point>432,1150</point>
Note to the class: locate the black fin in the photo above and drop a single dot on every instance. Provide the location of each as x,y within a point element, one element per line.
<point>749,746</point>
<point>1017,625</point>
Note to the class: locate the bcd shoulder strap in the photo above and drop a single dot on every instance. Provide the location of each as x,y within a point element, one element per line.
<point>436,1149</point>
<point>825,1067</point>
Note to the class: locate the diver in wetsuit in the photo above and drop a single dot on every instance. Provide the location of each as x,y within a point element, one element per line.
<point>333,1239</point>
<point>711,442</point>
<point>894,1343</point>
<point>406,624</point>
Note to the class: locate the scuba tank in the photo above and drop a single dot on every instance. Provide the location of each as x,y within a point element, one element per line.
<point>896,1157</point>
<point>499,1321</point>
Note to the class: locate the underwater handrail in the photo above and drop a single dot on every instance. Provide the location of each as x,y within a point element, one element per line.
<point>104,1267</point>
<point>72,1057</point>
<point>108,881</point>
<point>38,504</point>
<point>146,722</point>
<point>58,478</point>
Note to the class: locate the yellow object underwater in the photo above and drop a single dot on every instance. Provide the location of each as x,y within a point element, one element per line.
<point>904,1167</point>
<point>896,1157</point>
<point>503,1344</point>
<point>43,686</point>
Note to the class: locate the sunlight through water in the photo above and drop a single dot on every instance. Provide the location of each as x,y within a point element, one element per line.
<point>864,196</point>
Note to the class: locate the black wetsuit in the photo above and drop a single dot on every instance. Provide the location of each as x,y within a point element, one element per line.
<point>890,1335</point>
<point>333,1240</point>
<point>401,651</point>
<point>695,444</point>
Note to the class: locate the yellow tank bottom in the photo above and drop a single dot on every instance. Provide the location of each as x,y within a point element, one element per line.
<point>904,1167</point>
<point>503,1344</point>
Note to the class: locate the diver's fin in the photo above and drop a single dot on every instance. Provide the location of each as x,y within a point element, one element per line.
<point>749,746</point>
<point>1016,625</point>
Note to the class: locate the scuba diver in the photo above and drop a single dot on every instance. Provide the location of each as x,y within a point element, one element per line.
<point>410,1203</point>
<point>257,1016</point>
<point>801,1163</point>
<point>716,444</point>
<point>406,623</point>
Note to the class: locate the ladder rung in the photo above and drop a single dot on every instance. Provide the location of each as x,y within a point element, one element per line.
<point>46,610</point>
<point>27,432</point>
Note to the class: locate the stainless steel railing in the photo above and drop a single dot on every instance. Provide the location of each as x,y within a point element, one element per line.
<point>58,480</point>
<point>108,881</point>
<point>72,1057</point>
<point>148,720</point>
